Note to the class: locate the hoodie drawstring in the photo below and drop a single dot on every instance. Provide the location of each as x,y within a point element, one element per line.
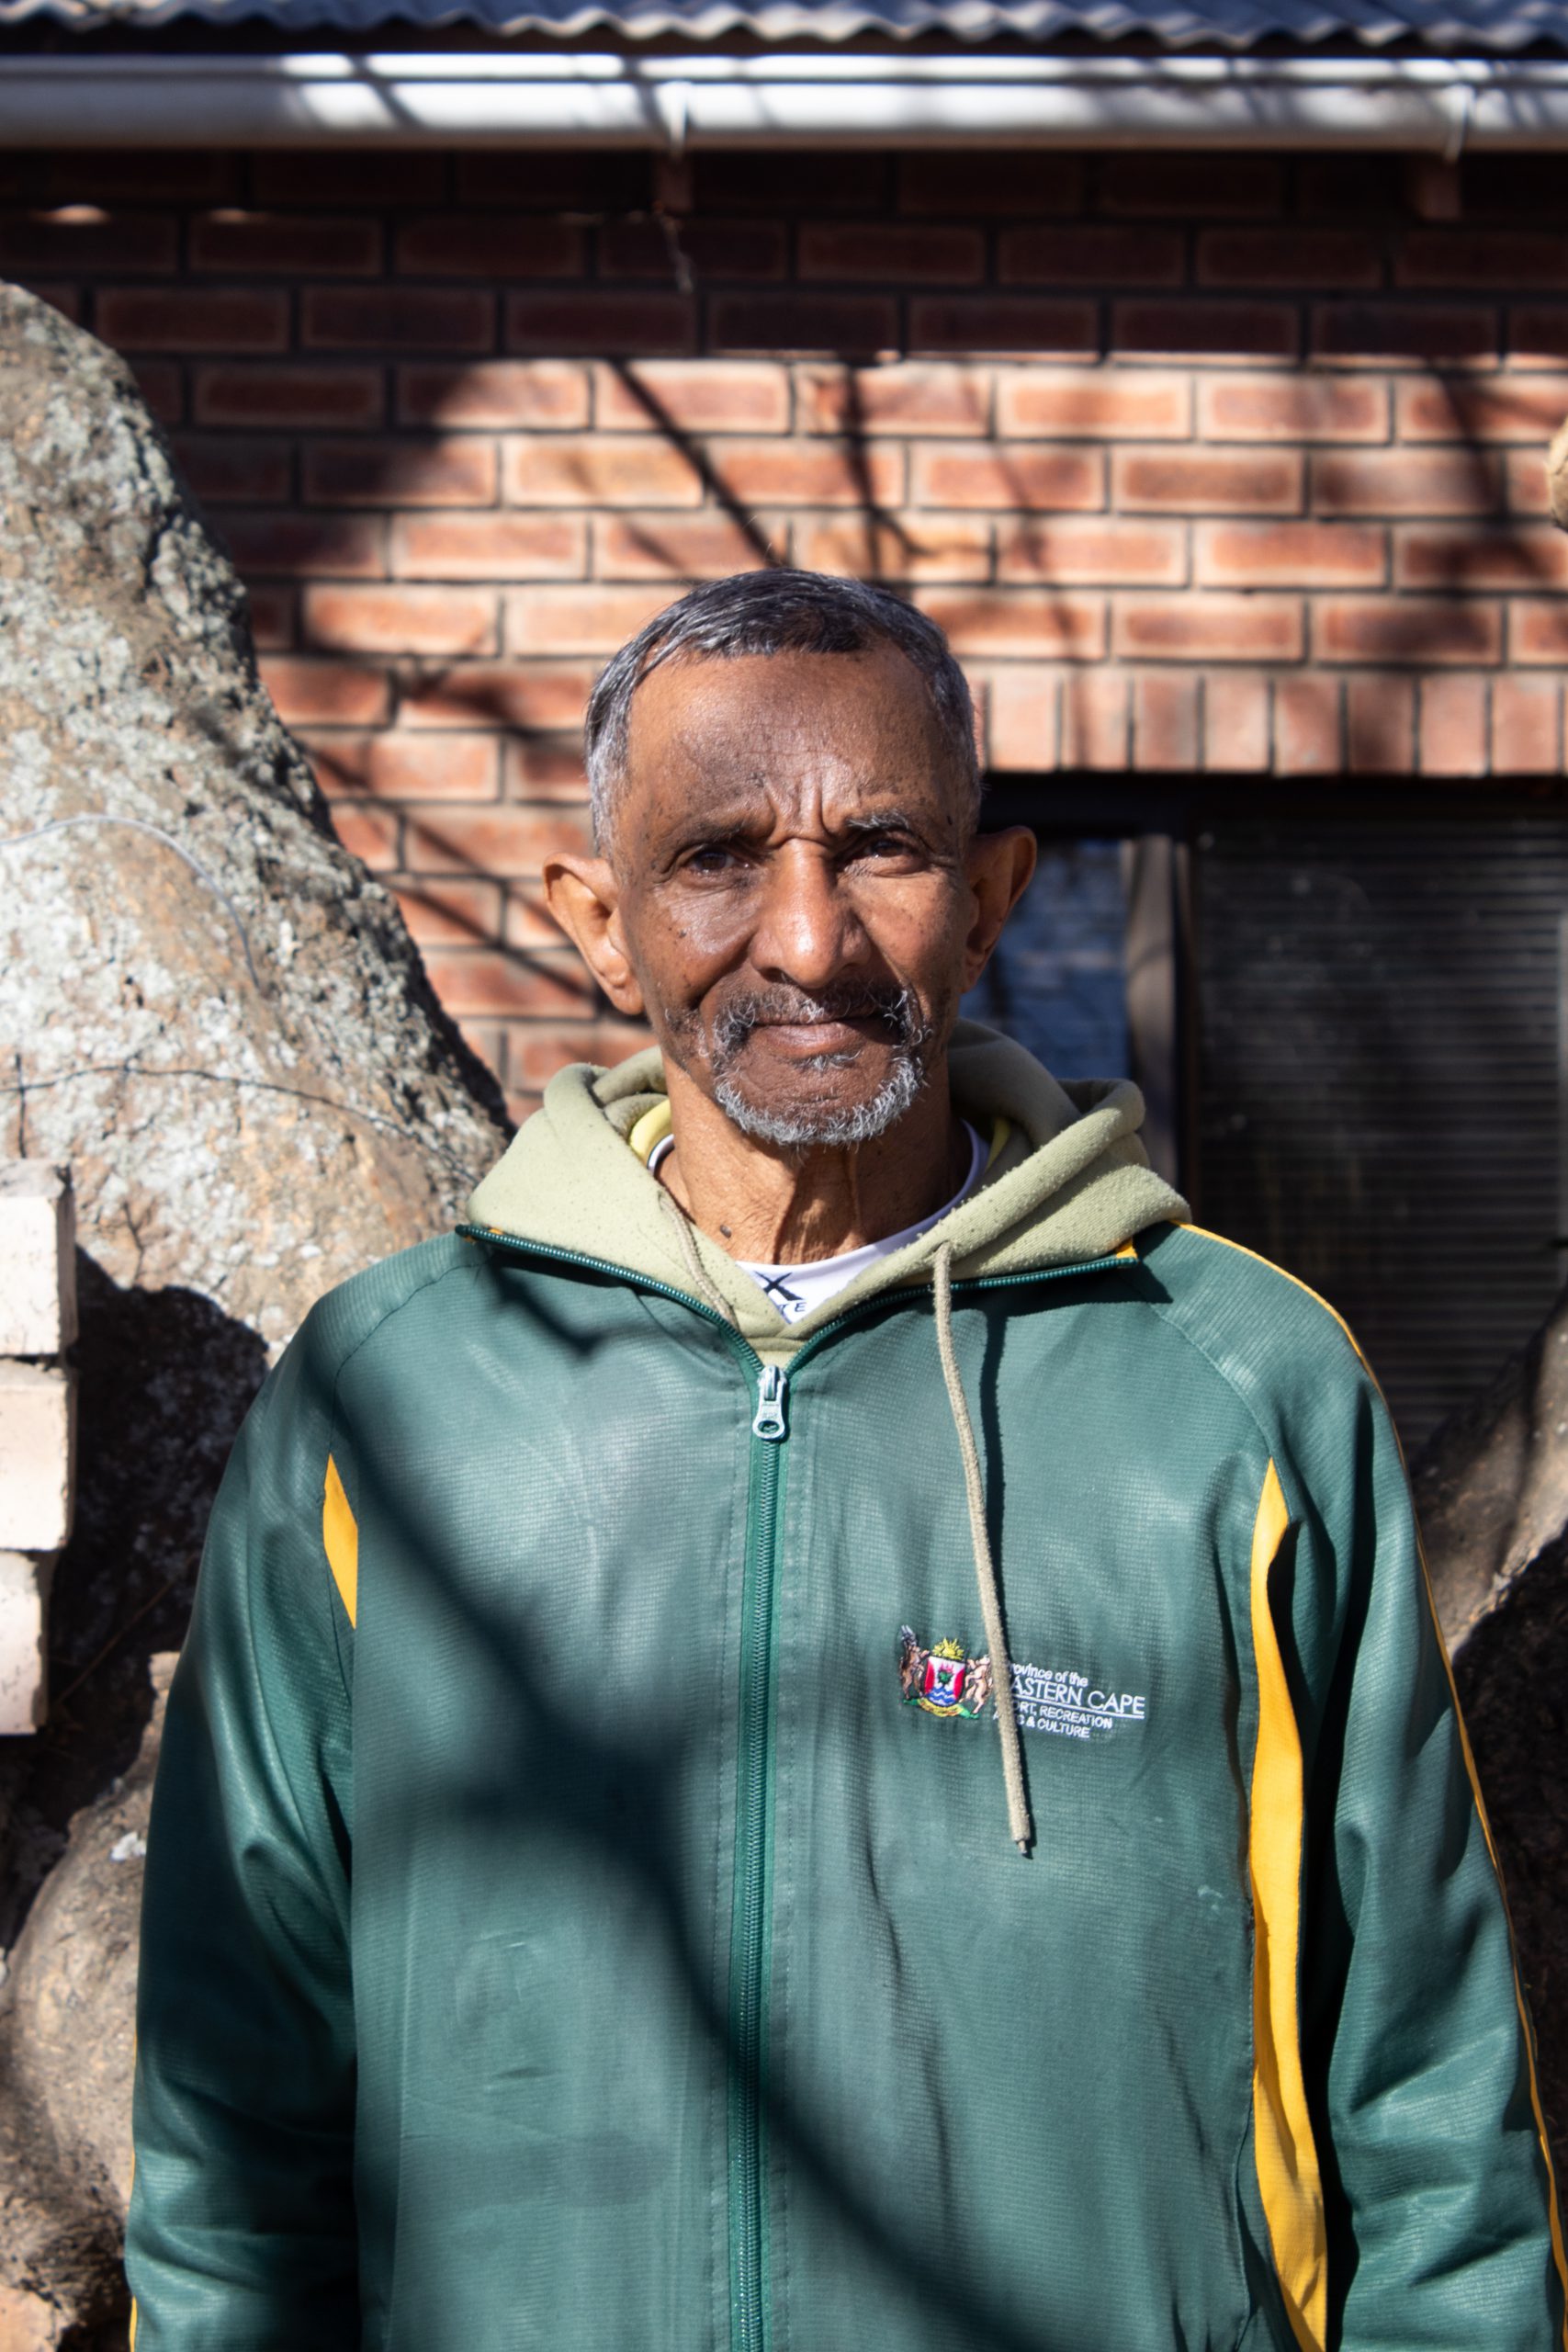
<point>1018,1821</point>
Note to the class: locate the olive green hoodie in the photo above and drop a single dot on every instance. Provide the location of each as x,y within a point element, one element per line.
<point>582,1910</point>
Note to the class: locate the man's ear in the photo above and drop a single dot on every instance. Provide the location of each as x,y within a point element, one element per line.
<point>1000,867</point>
<point>584,897</point>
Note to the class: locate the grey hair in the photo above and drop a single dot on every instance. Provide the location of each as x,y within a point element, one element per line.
<point>775,610</point>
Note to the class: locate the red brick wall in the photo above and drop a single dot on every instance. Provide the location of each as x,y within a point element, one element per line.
<point>1218,463</point>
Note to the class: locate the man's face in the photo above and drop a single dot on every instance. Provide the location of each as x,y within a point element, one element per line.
<point>792,886</point>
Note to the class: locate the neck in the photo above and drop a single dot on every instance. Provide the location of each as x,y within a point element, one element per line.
<point>780,1206</point>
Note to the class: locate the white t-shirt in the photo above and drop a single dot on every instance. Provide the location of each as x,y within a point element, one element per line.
<point>796,1291</point>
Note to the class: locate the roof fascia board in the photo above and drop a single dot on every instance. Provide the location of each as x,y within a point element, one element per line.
<point>550,98</point>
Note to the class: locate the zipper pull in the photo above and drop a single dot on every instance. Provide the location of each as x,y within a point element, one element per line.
<point>773,1391</point>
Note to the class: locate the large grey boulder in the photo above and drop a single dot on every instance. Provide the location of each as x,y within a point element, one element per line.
<point>216,1016</point>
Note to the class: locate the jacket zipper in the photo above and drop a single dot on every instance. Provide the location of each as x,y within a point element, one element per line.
<point>749,1920</point>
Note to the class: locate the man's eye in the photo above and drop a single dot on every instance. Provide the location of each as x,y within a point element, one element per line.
<point>883,846</point>
<point>713,857</point>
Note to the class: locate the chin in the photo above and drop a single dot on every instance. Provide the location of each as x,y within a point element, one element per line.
<point>830,1121</point>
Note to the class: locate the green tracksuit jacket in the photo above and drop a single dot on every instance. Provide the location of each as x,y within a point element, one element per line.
<point>581,1911</point>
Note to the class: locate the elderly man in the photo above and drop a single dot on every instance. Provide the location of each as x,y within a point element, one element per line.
<point>824,1729</point>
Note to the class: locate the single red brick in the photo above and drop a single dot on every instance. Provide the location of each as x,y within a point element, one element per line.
<point>1313,257</point>
<point>1213,481</point>
<point>459,472</point>
<point>483,981</point>
<point>272,617</point>
<point>502,841</point>
<point>358,178</point>
<point>1520,556</point>
<point>601,320</point>
<point>1135,403</point>
<point>146,318</point>
<point>537,1049</point>
<point>691,396</point>
<point>1165,722</point>
<point>704,249</point>
<point>1538,336</point>
<point>490,547</point>
<point>1499,408</point>
<point>453,913</point>
<point>1076,550</point>
<point>1022,718</point>
<point>407,767</point>
<point>1202,185</point>
<point>836,181</point>
<point>1017,621</point>
<point>1291,555</point>
<point>399,620</point>
<point>396,318</point>
<point>84,236</point>
<point>114,175</point>
<point>791,320</point>
<point>1419,629</point>
<point>539,767</point>
<point>256,394</point>
<point>1293,408</point>
<point>234,469</point>
<point>1391,335</point>
<point>1455,724</point>
<point>488,245</point>
<point>287,244</point>
<point>1380,725</point>
<point>1407,481</point>
<point>1037,480</point>
<point>808,473</point>
<point>372,835</point>
<point>1526,731</point>
<point>1307,731</point>
<point>304,547</point>
<point>601,470</point>
<point>579,620</point>
<point>1078,253</point>
<point>498,392</point>
<point>1524,475</point>
<point>887,249</point>
<point>1490,258</point>
<point>330,692</point>
<point>1538,631</point>
<point>1023,323</point>
<point>1021,182</point>
<point>680,547</point>
<point>912,398</point>
<point>521,695</point>
<point>161,384</point>
<point>1351,182</point>
<point>1096,715</point>
<point>1190,329</point>
<point>1235,723</point>
<point>1208,628</point>
<point>913,546</point>
<point>555,179</point>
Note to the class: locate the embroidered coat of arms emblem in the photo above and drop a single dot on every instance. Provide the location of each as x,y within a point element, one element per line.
<point>943,1679</point>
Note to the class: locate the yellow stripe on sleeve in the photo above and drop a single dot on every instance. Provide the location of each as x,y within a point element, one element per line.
<point>1287,2175</point>
<point>340,1539</point>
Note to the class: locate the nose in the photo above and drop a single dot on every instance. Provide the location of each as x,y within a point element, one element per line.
<point>807,933</point>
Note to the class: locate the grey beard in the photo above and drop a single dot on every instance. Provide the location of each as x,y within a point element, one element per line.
<point>803,1126</point>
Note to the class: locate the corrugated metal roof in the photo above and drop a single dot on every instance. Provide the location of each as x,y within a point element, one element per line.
<point>1440,27</point>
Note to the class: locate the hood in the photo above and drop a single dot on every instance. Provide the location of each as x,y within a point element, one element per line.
<point>1069,1181</point>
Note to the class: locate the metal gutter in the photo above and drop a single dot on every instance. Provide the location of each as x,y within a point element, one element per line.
<point>781,100</point>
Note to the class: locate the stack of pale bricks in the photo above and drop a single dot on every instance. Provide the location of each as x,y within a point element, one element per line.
<point>37,1423</point>
<point>1214,465</point>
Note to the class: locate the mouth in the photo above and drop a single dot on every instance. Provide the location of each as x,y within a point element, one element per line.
<point>840,1034</point>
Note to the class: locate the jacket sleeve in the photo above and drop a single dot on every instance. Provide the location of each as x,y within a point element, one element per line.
<point>1440,2209</point>
<point>241,2228</point>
